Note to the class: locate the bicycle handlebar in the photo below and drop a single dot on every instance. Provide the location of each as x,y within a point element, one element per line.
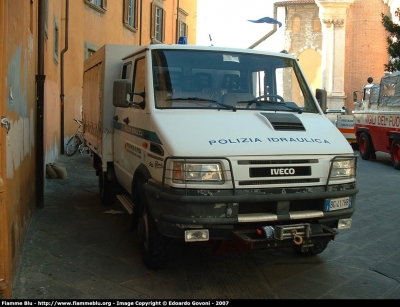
<point>79,122</point>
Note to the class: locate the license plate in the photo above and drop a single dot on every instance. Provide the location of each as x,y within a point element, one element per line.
<point>338,203</point>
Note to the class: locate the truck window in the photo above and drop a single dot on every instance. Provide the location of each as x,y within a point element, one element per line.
<point>139,78</point>
<point>211,79</point>
<point>126,70</point>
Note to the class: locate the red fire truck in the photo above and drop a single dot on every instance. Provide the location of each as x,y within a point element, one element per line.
<point>377,119</point>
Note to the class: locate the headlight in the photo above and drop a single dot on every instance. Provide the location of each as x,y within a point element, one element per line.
<point>184,172</point>
<point>343,169</point>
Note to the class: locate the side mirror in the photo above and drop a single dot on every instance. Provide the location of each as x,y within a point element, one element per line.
<point>122,94</point>
<point>121,90</point>
<point>321,96</point>
<point>354,96</point>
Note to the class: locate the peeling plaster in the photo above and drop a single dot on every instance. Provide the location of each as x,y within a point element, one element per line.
<point>20,142</point>
<point>20,138</point>
<point>52,154</point>
<point>18,84</point>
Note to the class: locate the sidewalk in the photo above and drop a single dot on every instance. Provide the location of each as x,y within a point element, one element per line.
<point>74,245</point>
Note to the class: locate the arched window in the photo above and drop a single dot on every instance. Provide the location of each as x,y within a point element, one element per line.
<point>296,24</point>
<point>316,25</point>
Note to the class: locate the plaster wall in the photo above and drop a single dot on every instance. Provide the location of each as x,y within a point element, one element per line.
<point>18,146</point>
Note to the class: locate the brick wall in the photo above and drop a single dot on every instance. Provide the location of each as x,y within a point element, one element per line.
<point>366,46</point>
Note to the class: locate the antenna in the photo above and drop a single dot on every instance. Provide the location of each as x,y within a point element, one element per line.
<point>209,35</point>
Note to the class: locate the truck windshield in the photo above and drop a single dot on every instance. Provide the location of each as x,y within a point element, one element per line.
<point>228,80</point>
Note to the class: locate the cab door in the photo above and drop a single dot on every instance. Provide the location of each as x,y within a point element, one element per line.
<point>130,123</point>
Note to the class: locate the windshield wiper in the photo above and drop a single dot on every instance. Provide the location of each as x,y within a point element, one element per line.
<point>226,106</point>
<point>276,103</point>
<point>296,109</point>
<point>191,98</point>
<point>204,99</point>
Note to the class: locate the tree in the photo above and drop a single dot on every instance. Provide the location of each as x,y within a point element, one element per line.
<point>393,41</point>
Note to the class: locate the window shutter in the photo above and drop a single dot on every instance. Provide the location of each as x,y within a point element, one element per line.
<point>136,15</point>
<point>177,31</point>
<point>125,10</point>
<point>104,4</point>
<point>163,25</point>
<point>153,21</point>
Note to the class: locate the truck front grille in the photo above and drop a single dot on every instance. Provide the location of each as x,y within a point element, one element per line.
<point>282,181</point>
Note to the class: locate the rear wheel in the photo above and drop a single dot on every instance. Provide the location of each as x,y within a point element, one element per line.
<point>106,188</point>
<point>365,145</point>
<point>72,145</point>
<point>395,154</point>
<point>154,246</point>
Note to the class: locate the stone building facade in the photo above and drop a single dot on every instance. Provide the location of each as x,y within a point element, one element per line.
<point>339,43</point>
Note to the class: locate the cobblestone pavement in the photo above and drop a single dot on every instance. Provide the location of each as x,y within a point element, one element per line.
<point>77,248</point>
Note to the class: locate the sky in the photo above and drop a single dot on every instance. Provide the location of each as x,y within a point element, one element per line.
<point>226,21</point>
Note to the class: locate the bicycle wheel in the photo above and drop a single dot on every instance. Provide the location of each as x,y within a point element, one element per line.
<point>72,145</point>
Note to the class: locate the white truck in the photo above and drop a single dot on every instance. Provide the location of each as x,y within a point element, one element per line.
<point>215,144</point>
<point>377,119</point>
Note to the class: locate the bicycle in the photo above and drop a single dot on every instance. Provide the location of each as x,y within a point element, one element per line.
<point>76,142</point>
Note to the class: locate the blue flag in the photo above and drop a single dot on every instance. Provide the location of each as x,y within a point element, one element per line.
<point>267,20</point>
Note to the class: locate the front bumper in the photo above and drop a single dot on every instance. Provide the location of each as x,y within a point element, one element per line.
<point>224,213</point>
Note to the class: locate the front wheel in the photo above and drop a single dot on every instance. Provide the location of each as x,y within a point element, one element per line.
<point>72,145</point>
<point>365,146</point>
<point>395,154</point>
<point>154,246</point>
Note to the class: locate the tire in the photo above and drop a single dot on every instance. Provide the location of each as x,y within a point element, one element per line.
<point>106,188</point>
<point>153,246</point>
<point>395,154</point>
<point>316,249</point>
<point>72,145</point>
<point>365,146</point>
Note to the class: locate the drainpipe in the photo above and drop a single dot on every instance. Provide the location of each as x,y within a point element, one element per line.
<point>268,34</point>
<point>177,32</point>
<point>40,78</point>
<point>141,12</point>
<point>62,95</point>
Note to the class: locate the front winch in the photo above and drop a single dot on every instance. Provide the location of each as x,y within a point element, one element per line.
<point>298,240</point>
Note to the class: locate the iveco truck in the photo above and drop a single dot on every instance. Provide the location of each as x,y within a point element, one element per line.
<point>216,145</point>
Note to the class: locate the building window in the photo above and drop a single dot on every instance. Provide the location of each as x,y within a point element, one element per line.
<point>182,29</point>
<point>89,49</point>
<point>157,23</point>
<point>296,24</point>
<point>97,5</point>
<point>181,25</point>
<point>56,38</point>
<point>316,25</point>
<point>90,52</point>
<point>130,14</point>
